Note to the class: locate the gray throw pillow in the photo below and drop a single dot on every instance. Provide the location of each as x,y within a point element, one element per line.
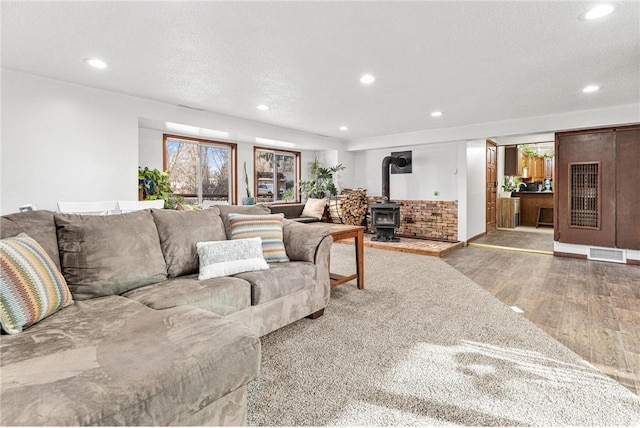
<point>107,255</point>
<point>224,258</point>
<point>179,233</point>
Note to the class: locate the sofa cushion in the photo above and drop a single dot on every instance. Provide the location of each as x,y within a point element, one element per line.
<point>266,227</point>
<point>222,296</point>
<point>112,361</point>
<point>179,231</point>
<point>314,208</point>
<point>225,210</point>
<point>31,287</point>
<point>105,255</point>
<point>224,258</point>
<point>37,224</point>
<point>280,280</point>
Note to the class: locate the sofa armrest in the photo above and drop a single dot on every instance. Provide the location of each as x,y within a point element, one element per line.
<point>302,241</point>
<point>289,210</point>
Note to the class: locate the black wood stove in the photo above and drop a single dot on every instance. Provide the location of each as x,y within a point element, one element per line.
<point>385,215</point>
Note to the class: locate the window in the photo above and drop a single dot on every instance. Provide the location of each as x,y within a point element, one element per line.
<point>277,175</point>
<point>199,169</point>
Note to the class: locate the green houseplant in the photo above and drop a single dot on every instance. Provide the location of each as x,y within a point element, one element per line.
<point>249,200</point>
<point>320,183</point>
<point>155,185</point>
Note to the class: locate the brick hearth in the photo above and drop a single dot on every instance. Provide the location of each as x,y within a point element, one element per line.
<point>426,219</point>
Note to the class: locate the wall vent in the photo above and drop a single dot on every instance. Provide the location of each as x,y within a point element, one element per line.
<point>607,255</point>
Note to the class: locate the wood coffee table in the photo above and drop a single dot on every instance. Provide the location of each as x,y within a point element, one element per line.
<point>341,232</point>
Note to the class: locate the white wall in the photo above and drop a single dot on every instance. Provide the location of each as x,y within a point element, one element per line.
<point>476,211</point>
<point>456,170</point>
<point>434,169</point>
<point>62,141</point>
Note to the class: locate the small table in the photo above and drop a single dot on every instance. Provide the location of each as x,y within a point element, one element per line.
<point>340,232</point>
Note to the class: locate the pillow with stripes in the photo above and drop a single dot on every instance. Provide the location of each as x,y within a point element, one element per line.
<point>31,286</point>
<point>268,227</point>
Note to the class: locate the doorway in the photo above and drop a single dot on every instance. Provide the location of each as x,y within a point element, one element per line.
<point>520,167</point>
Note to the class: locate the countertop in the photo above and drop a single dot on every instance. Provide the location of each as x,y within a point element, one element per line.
<point>515,194</point>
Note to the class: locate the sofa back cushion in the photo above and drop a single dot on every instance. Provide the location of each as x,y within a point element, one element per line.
<point>39,225</point>
<point>179,233</point>
<point>225,210</point>
<point>107,255</point>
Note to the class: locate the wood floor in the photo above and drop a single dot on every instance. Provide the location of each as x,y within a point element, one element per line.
<point>593,308</point>
<point>521,238</point>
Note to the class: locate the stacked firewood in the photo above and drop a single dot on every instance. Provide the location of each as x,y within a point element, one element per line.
<point>350,207</point>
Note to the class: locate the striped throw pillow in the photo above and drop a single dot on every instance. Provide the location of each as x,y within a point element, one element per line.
<point>31,287</point>
<point>268,227</point>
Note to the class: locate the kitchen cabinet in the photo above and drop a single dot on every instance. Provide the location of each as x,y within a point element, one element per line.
<point>537,169</point>
<point>523,161</point>
<point>508,213</point>
<point>510,160</point>
<point>548,168</point>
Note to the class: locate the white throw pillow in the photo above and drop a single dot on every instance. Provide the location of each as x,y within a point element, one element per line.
<point>314,208</point>
<point>223,258</point>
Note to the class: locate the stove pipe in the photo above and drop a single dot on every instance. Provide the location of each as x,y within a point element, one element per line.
<point>399,161</point>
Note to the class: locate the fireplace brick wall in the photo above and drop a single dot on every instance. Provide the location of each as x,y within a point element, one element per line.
<point>425,219</point>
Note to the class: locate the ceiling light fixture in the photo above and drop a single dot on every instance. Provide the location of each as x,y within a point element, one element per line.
<point>436,114</point>
<point>367,79</point>
<point>276,143</point>
<point>262,107</point>
<point>590,88</point>
<point>95,62</point>
<point>343,128</point>
<point>597,12</point>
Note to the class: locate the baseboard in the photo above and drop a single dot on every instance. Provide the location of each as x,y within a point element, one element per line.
<point>570,255</point>
<point>478,236</point>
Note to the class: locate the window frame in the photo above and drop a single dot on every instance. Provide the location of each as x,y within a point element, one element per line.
<point>298,175</point>
<point>233,162</point>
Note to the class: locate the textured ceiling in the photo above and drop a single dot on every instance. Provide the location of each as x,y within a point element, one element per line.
<point>476,61</point>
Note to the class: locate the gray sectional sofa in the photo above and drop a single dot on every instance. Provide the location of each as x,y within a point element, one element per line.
<point>146,342</point>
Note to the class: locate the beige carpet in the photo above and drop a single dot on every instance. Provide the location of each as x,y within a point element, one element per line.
<point>424,345</point>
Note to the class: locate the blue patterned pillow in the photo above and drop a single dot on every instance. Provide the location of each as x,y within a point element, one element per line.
<point>31,287</point>
<point>267,227</point>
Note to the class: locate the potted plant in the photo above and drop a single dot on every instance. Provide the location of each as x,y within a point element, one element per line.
<point>320,184</point>
<point>154,184</point>
<point>249,200</point>
<point>509,186</point>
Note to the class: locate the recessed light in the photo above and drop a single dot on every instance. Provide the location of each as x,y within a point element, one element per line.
<point>344,128</point>
<point>590,88</point>
<point>95,62</point>
<point>598,12</point>
<point>436,114</point>
<point>262,107</point>
<point>367,79</point>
